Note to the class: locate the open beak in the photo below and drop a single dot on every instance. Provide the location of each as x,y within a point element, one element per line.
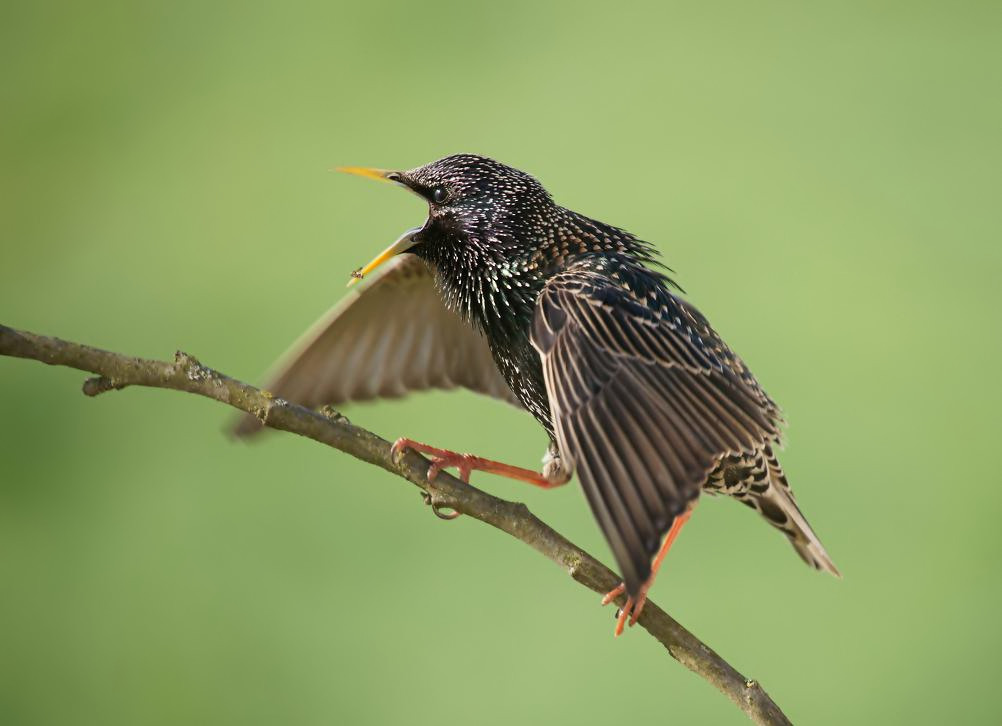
<point>406,240</point>
<point>378,174</point>
<point>403,244</point>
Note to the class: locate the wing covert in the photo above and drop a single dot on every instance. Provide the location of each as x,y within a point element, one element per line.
<point>645,399</point>
<point>390,338</point>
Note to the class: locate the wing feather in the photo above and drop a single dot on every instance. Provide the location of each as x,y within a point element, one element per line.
<point>393,337</point>
<point>646,399</point>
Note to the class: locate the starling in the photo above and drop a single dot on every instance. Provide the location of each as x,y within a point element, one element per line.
<point>504,292</point>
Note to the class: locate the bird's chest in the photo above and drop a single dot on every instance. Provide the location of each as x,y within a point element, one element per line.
<point>519,363</point>
<point>499,300</point>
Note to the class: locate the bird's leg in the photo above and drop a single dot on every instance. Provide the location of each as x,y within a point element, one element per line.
<point>466,463</point>
<point>633,608</point>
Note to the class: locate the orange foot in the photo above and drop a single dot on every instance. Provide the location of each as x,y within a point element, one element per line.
<point>466,463</point>
<point>632,609</point>
<point>635,605</point>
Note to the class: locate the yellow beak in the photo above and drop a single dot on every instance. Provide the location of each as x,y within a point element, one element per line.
<point>402,244</point>
<point>377,174</point>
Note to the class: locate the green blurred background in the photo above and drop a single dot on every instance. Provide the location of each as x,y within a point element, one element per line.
<point>823,177</point>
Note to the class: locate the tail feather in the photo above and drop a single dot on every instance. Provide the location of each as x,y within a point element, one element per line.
<point>779,507</point>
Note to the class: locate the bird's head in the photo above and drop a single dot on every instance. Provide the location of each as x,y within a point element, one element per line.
<point>473,202</point>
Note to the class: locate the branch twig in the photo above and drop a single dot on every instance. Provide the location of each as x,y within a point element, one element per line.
<point>185,373</point>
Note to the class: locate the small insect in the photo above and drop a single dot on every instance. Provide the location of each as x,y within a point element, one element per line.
<point>357,274</point>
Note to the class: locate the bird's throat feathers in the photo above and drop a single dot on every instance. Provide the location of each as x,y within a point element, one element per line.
<point>490,271</point>
<point>486,285</point>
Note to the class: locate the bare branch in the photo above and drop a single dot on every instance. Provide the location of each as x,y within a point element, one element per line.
<point>115,371</point>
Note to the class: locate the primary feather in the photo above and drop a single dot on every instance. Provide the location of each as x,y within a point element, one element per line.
<point>574,320</point>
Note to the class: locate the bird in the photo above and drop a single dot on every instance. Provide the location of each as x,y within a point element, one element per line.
<point>504,292</point>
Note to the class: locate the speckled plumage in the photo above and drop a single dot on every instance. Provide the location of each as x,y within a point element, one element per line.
<point>493,251</point>
<point>637,392</point>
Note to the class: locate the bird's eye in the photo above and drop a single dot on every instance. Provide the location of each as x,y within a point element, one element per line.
<point>439,195</point>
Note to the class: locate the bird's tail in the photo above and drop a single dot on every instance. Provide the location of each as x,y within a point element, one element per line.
<point>780,508</point>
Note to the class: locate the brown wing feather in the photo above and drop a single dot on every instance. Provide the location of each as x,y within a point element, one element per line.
<point>645,400</point>
<point>392,337</point>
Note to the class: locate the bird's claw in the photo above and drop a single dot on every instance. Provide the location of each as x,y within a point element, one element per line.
<point>437,463</point>
<point>462,462</point>
<point>437,508</point>
<point>614,593</point>
<point>398,448</point>
<point>440,458</point>
<point>631,608</point>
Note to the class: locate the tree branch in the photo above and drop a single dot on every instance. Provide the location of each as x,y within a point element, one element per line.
<point>115,371</point>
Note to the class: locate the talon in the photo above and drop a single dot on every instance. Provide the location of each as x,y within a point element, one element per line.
<point>436,508</point>
<point>621,613</point>
<point>613,594</point>
<point>624,613</point>
<point>641,601</point>
<point>460,461</point>
<point>444,515</point>
<point>467,463</point>
<point>633,608</point>
<point>398,448</point>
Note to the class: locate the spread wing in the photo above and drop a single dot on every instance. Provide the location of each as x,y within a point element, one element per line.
<point>392,337</point>
<point>645,398</point>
